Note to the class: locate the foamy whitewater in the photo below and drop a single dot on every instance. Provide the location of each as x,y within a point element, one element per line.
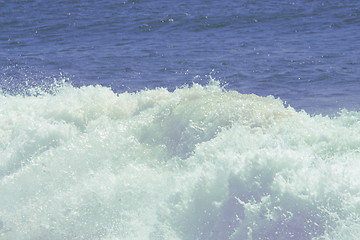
<point>197,163</point>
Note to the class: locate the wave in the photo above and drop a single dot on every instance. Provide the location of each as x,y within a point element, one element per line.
<point>196,163</point>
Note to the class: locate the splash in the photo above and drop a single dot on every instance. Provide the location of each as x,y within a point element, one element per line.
<point>196,163</point>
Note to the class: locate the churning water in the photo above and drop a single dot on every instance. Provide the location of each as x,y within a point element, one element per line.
<point>113,127</point>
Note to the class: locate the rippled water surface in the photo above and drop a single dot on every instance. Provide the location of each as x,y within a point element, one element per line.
<point>305,52</point>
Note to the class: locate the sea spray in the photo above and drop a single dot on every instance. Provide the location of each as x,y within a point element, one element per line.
<point>196,163</point>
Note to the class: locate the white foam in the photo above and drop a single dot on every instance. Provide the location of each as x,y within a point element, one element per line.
<point>196,163</point>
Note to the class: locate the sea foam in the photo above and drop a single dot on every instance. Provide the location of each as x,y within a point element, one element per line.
<point>196,163</point>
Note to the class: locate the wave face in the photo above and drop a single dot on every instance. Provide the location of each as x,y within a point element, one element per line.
<point>197,163</point>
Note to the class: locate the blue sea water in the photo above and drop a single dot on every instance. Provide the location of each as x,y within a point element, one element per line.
<point>305,52</point>
<point>184,120</point>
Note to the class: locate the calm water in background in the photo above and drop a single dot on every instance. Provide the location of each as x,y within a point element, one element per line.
<point>305,52</point>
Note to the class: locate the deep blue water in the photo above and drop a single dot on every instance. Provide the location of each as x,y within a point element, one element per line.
<point>305,52</point>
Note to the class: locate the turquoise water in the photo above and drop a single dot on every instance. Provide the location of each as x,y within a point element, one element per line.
<point>189,120</point>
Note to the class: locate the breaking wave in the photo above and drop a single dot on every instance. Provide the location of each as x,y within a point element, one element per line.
<point>196,163</point>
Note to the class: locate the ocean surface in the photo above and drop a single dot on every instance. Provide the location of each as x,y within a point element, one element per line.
<point>180,120</point>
